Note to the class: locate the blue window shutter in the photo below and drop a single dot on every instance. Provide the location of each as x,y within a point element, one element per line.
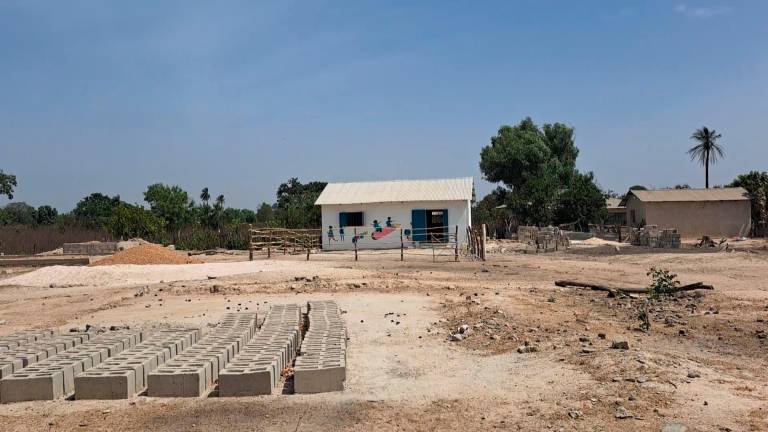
<point>342,219</point>
<point>419,225</point>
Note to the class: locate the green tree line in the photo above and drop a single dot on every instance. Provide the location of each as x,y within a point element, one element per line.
<point>169,209</point>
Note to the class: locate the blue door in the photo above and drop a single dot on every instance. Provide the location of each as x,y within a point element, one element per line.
<point>419,225</point>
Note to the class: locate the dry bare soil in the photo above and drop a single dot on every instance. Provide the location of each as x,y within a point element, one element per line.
<point>704,361</point>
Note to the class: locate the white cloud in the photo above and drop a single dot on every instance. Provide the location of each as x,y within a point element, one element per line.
<point>702,12</point>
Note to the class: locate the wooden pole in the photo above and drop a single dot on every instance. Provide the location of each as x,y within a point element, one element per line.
<point>269,244</point>
<point>307,245</point>
<point>618,231</point>
<point>482,243</point>
<point>355,242</point>
<point>456,250</point>
<point>250,242</point>
<point>402,246</point>
<point>469,241</point>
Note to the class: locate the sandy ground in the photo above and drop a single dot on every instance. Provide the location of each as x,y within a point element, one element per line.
<point>405,374</point>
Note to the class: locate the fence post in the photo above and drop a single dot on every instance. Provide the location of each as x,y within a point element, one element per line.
<point>250,242</point>
<point>269,244</point>
<point>307,244</point>
<point>355,242</point>
<point>285,245</point>
<point>456,250</point>
<point>402,258</point>
<point>482,243</point>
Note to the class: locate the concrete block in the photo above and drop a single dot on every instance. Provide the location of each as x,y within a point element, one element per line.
<point>43,385</point>
<point>319,379</point>
<point>187,382</point>
<point>246,382</point>
<point>106,384</point>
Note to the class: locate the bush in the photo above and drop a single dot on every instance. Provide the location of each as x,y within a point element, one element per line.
<point>130,221</point>
<point>663,282</point>
<point>199,238</point>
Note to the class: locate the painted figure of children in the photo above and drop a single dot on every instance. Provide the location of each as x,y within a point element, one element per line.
<point>389,221</point>
<point>376,226</point>
<point>341,234</point>
<point>330,234</point>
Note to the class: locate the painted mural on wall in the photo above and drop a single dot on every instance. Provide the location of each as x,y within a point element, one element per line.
<point>378,232</point>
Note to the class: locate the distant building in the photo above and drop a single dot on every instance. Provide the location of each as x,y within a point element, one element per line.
<point>375,214</point>
<point>617,214</point>
<point>694,212</point>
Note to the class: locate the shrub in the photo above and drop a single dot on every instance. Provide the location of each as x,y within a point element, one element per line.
<point>663,282</point>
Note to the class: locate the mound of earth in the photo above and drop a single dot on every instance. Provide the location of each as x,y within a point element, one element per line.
<point>147,254</point>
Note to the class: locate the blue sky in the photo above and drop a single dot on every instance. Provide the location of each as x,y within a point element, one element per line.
<point>240,96</point>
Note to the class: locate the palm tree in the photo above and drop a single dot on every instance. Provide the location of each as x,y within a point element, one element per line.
<point>707,150</point>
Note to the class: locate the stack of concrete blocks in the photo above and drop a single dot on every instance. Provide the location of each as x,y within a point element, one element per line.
<point>651,236</point>
<point>90,248</point>
<point>257,368</point>
<point>527,234</point>
<point>54,377</point>
<point>22,349</point>
<point>125,375</point>
<point>194,371</point>
<point>669,239</point>
<point>545,239</point>
<point>322,363</point>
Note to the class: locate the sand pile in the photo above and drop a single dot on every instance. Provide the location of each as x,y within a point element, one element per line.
<point>594,241</point>
<point>147,254</point>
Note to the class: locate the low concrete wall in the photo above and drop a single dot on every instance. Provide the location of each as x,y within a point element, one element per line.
<point>90,248</point>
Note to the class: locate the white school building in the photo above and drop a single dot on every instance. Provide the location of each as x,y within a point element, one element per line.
<point>374,215</point>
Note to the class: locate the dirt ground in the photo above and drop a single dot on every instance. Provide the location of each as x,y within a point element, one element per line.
<point>704,361</point>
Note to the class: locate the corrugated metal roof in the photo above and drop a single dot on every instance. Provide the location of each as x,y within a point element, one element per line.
<point>613,203</point>
<point>457,189</point>
<point>688,195</point>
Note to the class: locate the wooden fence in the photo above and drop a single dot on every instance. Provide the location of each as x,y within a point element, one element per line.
<point>285,240</point>
<point>476,239</point>
<point>442,241</point>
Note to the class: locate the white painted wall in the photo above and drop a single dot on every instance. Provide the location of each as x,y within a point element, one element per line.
<point>459,213</point>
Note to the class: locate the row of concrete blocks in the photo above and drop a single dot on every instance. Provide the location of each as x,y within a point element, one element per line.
<point>256,370</point>
<point>54,377</point>
<point>194,371</point>
<point>125,375</point>
<point>22,352</point>
<point>20,338</point>
<point>322,363</point>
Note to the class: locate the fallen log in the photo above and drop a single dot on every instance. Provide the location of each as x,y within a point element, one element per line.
<point>628,290</point>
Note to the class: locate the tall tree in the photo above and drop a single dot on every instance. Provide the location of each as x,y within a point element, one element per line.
<point>130,221</point>
<point>95,210</point>
<point>295,206</point>
<point>46,215</point>
<point>218,211</point>
<point>264,213</point>
<point>756,185</point>
<point>538,167</point>
<point>7,184</point>
<point>707,150</point>
<point>582,202</point>
<point>171,204</point>
<point>20,213</point>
